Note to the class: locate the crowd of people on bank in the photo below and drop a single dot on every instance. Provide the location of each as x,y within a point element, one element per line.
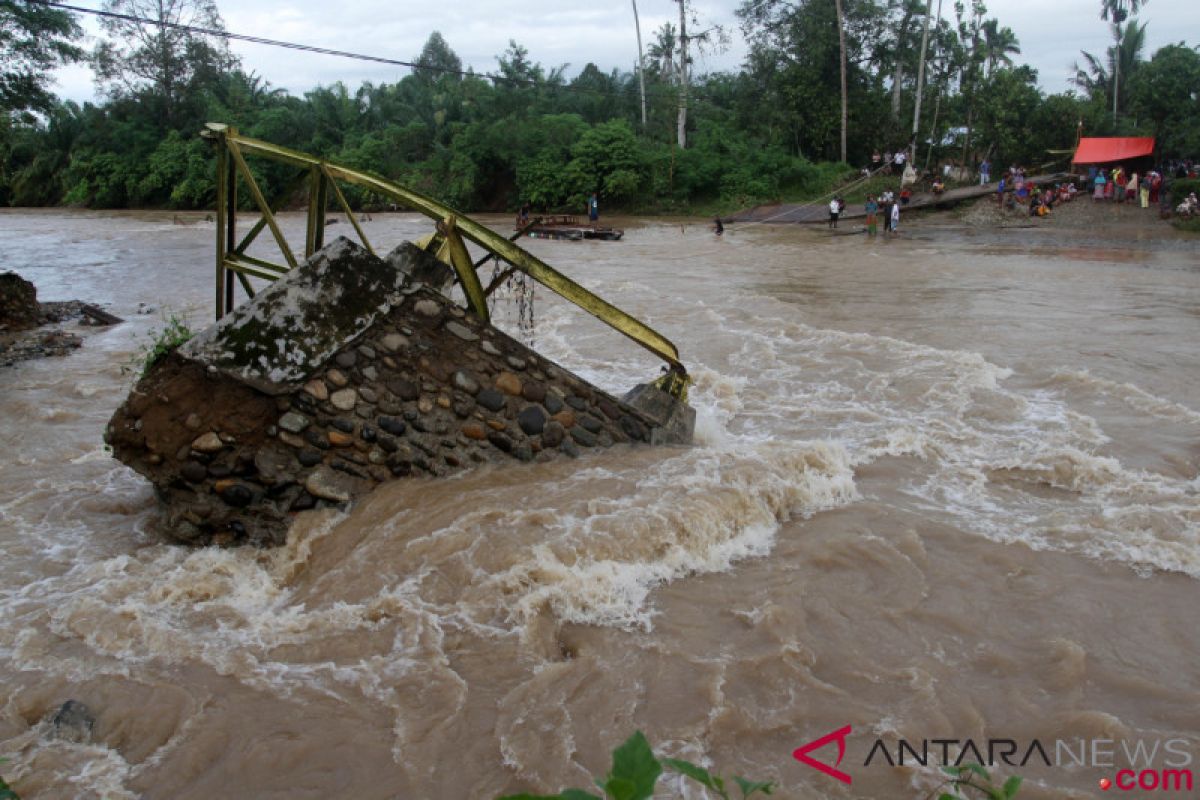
<point>1122,186</point>
<point>1118,184</point>
<point>1016,191</point>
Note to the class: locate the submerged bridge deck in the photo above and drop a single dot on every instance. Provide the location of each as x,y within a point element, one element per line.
<point>819,212</point>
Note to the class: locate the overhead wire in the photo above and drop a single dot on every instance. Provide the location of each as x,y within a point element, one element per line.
<point>818,200</point>
<point>261,40</point>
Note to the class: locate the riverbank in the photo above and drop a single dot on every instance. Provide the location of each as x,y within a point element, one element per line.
<point>26,325</point>
<point>32,329</point>
<point>1106,219</point>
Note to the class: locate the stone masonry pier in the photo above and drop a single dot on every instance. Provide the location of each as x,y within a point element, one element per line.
<point>347,373</point>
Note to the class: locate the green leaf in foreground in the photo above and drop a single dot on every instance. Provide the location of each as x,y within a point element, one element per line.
<point>980,771</point>
<point>635,770</point>
<point>750,787</point>
<point>1012,785</point>
<point>699,774</point>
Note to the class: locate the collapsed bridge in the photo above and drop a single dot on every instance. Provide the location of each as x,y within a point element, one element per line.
<point>348,369</point>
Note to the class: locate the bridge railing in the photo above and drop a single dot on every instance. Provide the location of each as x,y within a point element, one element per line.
<point>321,178</point>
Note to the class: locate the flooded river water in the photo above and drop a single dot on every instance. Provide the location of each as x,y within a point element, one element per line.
<point>944,487</point>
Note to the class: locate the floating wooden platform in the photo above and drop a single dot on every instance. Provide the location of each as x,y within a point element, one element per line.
<point>565,226</point>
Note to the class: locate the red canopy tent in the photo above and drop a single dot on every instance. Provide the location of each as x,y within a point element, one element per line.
<point>1107,150</point>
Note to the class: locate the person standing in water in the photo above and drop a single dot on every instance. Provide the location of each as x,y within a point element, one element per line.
<point>718,228</point>
<point>872,208</point>
<point>835,209</point>
<point>895,218</point>
<point>593,208</point>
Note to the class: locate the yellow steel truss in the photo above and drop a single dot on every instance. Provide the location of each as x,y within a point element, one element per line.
<point>447,243</point>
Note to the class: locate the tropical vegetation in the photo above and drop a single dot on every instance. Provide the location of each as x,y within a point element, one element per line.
<point>823,86</point>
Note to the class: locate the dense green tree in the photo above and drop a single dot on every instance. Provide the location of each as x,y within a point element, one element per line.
<point>528,134</point>
<point>34,39</point>
<point>795,60</point>
<point>1008,101</point>
<point>1166,92</point>
<point>153,59</point>
<point>438,61</point>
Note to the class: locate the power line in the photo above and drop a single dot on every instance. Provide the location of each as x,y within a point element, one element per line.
<point>242,37</point>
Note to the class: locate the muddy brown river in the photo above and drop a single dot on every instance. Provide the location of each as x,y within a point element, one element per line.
<point>944,487</point>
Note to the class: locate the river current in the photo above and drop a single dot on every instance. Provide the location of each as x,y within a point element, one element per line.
<point>944,487</point>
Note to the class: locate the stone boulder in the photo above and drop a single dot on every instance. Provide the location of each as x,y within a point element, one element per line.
<point>345,374</point>
<point>19,308</point>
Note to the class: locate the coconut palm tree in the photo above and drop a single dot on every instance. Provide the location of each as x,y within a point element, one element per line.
<point>1118,11</point>
<point>1098,77</point>
<point>1093,75</point>
<point>998,45</point>
<point>663,52</point>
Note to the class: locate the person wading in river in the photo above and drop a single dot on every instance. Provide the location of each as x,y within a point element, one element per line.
<point>835,209</point>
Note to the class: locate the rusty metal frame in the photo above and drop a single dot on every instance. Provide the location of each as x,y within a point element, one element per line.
<point>452,228</point>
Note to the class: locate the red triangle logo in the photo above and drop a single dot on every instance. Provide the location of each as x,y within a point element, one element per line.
<point>801,754</point>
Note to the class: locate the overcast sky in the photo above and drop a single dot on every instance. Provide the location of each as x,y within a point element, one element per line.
<point>1051,33</point>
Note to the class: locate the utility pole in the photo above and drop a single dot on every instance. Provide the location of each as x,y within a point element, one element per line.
<point>841,23</point>
<point>681,129</point>
<point>912,158</point>
<point>641,63</point>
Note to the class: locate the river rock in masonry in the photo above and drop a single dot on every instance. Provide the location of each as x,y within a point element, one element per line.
<point>347,373</point>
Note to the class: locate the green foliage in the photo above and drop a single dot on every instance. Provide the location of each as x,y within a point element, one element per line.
<point>165,68</point>
<point>34,39</point>
<point>715,782</point>
<point>173,333</point>
<point>606,159</point>
<point>1182,187</point>
<point>636,770</point>
<point>1166,90</point>
<point>973,781</point>
<point>762,134</point>
<point>178,174</point>
<point>6,792</point>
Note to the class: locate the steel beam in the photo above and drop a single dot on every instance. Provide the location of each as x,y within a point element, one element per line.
<point>230,149</point>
